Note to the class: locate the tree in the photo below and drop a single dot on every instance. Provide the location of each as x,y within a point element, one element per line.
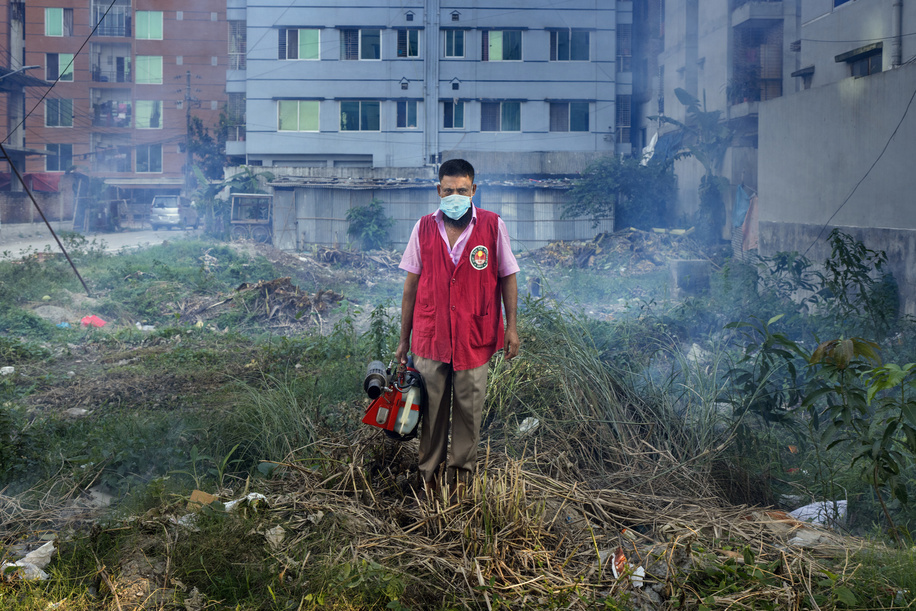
<point>706,139</point>
<point>209,152</point>
<point>622,189</point>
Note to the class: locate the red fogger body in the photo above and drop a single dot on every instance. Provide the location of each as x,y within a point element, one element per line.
<point>397,400</point>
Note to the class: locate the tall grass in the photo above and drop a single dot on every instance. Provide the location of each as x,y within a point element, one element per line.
<point>595,415</point>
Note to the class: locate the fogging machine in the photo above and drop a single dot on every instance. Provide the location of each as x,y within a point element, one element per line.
<point>398,396</point>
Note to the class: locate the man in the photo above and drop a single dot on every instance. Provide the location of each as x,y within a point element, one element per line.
<point>459,268</point>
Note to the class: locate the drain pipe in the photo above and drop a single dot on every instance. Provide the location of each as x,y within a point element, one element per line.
<point>897,27</point>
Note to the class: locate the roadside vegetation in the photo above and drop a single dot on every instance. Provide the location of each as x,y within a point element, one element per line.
<point>669,431</point>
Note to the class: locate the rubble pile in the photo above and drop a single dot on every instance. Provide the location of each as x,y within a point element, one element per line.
<point>274,303</point>
<point>358,260</point>
<point>636,251</point>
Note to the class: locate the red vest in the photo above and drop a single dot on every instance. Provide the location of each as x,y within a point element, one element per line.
<point>457,317</point>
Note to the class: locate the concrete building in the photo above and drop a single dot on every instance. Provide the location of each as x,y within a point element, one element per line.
<point>127,76</point>
<point>733,56</point>
<point>838,152</point>
<point>515,88</point>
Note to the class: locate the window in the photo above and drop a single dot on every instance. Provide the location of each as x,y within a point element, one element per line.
<point>408,43</point>
<point>359,116</point>
<point>148,114</point>
<point>866,65</point>
<point>59,157</point>
<point>149,69</point>
<point>569,117</point>
<point>454,43</point>
<point>501,116</point>
<point>624,47</point>
<point>58,113</point>
<point>569,45</point>
<point>407,114</point>
<point>238,45</point>
<point>623,119</point>
<point>297,115</point>
<point>864,60</point>
<point>149,25</point>
<point>59,66</point>
<point>149,158</point>
<point>453,115</point>
<point>501,45</point>
<point>301,43</point>
<point>360,44</point>
<point>58,22</point>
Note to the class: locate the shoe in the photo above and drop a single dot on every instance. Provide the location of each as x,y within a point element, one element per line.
<point>457,493</point>
<point>427,494</point>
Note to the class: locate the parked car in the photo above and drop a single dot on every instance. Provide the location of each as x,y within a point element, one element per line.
<point>173,211</point>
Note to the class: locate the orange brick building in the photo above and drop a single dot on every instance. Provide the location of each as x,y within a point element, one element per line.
<point>124,74</point>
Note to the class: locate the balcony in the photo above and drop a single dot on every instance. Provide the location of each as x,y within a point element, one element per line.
<point>111,114</point>
<point>110,160</point>
<point>110,76</point>
<point>235,133</point>
<point>110,63</point>
<point>114,21</point>
<point>237,61</point>
<point>756,10</point>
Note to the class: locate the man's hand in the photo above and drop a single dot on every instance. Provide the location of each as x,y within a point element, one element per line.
<point>401,354</point>
<point>510,302</point>
<point>512,344</point>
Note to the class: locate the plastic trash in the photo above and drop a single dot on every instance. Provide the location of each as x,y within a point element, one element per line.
<point>63,325</point>
<point>275,536</point>
<point>92,321</point>
<point>252,500</point>
<point>144,327</point>
<point>6,371</point>
<point>620,566</point>
<point>29,567</point>
<point>528,424</point>
<point>826,513</point>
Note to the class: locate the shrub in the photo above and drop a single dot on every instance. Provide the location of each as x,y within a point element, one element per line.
<point>370,225</point>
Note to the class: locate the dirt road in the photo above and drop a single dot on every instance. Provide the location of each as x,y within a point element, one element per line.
<point>16,240</point>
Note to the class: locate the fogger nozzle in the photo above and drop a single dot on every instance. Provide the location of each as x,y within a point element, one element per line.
<point>376,379</point>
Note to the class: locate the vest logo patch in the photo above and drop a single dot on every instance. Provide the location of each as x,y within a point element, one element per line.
<point>480,257</point>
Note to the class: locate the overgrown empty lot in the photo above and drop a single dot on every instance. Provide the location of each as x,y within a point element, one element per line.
<point>632,425</point>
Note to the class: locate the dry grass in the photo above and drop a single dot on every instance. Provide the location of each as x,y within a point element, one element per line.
<point>525,538</point>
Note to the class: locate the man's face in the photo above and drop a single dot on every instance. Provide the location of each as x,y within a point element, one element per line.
<point>456,185</point>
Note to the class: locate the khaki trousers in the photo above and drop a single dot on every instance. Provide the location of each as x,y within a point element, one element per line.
<point>454,400</point>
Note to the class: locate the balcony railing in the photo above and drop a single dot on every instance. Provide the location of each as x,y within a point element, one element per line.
<point>112,160</point>
<point>115,23</point>
<point>235,133</point>
<point>111,76</point>
<point>739,3</point>
<point>237,61</point>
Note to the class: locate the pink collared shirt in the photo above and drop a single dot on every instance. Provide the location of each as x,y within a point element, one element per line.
<point>410,262</point>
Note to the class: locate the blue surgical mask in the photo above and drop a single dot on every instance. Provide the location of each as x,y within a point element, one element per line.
<point>454,206</point>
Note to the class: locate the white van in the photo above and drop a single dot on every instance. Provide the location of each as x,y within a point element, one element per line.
<point>173,211</point>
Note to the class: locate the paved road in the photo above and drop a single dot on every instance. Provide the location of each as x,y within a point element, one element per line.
<point>15,240</point>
